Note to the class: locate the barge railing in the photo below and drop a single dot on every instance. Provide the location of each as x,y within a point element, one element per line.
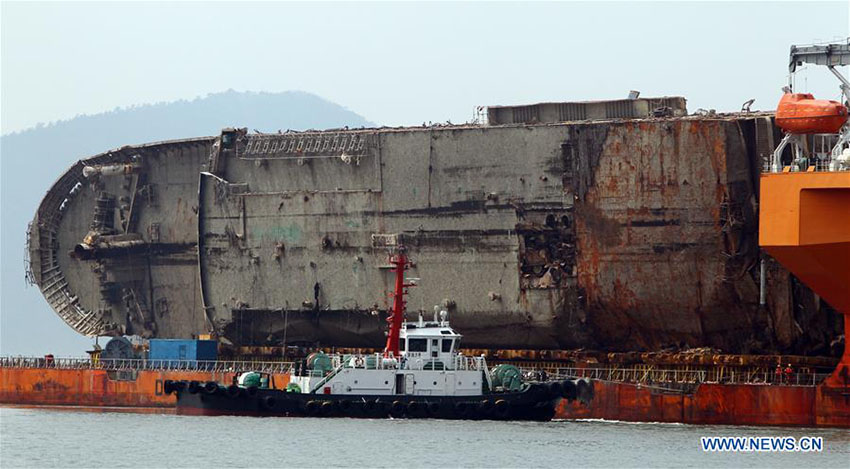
<point>646,376</point>
<point>215,366</point>
<point>719,375</point>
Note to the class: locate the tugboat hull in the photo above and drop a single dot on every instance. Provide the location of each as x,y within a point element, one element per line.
<point>535,402</point>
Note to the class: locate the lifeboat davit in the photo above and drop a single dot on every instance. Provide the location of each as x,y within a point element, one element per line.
<point>801,113</point>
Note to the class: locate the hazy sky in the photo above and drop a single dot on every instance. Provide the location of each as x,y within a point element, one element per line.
<point>402,63</point>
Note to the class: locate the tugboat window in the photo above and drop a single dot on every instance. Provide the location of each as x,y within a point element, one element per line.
<point>417,345</point>
<point>447,345</point>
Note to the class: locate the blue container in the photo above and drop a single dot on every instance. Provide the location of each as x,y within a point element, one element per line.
<point>182,349</point>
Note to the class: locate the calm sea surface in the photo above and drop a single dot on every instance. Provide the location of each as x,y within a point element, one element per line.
<point>66,438</point>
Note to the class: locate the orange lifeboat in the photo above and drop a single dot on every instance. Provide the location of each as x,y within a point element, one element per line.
<point>801,113</point>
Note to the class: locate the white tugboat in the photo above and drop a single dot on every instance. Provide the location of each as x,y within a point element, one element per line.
<point>420,374</point>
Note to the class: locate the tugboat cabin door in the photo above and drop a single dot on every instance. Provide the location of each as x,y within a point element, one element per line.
<point>450,383</point>
<point>405,383</point>
<point>409,383</point>
<point>399,383</point>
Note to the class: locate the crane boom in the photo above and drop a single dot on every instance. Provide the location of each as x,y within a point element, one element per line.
<point>834,55</point>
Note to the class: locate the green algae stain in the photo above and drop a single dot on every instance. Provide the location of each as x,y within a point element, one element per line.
<point>288,233</point>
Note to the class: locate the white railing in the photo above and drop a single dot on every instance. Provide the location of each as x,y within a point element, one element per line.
<point>144,364</point>
<point>649,376</point>
<point>377,361</point>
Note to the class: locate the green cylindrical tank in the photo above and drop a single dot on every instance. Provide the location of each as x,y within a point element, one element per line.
<point>371,362</point>
<point>319,361</point>
<point>249,379</point>
<point>293,387</point>
<point>507,376</point>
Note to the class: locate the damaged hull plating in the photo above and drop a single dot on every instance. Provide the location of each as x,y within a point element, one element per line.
<point>612,235</point>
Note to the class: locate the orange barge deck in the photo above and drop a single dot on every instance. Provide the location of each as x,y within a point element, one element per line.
<point>705,403</point>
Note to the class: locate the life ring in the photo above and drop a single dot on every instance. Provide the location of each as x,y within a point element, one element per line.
<point>233,391</point>
<point>358,362</point>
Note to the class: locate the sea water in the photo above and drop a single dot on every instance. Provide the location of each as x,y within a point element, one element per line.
<point>42,437</point>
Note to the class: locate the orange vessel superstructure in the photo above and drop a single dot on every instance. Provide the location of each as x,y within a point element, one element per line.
<point>805,225</point>
<point>801,113</point>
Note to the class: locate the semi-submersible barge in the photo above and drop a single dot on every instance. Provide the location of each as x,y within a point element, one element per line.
<point>613,226</point>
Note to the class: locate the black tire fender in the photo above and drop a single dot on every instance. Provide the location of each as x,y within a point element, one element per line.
<point>210,387</point>
<point>537,391</point>
<point>233,391</point>
<point>269,402</point>
<point>194,387</point>
<point>502,407</point>
<point>433,407</point>
<point>584,390</point>
<point>397,408</point>
<point>345,405</point>
<point>555,389</point>
<point>328,407</point>
<point>167,387</point>
<point>313,407</point>
<point>413,407</point>
<point>568,389</point>
<point>485,406</point>
<point>251,391</point>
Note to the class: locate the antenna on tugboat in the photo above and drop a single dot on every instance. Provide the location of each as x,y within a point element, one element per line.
<point>396,317</point>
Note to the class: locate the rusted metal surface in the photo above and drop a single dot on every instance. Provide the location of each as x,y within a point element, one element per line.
<point>705,403</point>
<point>99,387</point>
<point>625,235</point>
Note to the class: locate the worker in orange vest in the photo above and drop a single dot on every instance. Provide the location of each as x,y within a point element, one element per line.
<point>778,374</point>
<point>788,373</point>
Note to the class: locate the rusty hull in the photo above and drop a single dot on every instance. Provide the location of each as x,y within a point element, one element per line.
<point>621,235</point>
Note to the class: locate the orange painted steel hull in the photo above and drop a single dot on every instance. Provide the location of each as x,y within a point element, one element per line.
<point>87,387</point>
<point>801,113</point>
<point>717,404</point>
<point>710,404</point>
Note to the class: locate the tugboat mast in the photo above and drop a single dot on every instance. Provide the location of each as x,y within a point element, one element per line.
<point>396,317</point>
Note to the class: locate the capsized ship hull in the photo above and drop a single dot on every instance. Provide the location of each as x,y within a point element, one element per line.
<point>625,234</point>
